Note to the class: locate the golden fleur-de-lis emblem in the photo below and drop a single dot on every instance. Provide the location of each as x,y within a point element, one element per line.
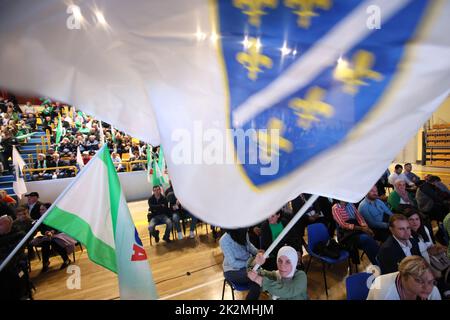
<point>309,110</point>
<point>270,144</point>
<point>254,9</point>
<point>353,74</point>
<point>305,9</point>
<point>252,60</point>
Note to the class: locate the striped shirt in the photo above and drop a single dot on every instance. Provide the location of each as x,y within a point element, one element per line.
<point>342,214</point>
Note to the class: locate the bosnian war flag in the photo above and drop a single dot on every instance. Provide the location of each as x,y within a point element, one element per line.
<point>102,222</point>
<point>254,102</point>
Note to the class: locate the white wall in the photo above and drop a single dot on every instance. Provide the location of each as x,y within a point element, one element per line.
<point>134,185</point>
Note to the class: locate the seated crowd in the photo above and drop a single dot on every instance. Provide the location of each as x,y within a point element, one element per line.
<point>394,229</point>
<point>388,229</point>
<point>79,131</point>
<point>14,225</point>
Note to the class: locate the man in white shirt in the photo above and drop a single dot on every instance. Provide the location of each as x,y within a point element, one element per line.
<point>398,246</point>
<point>397,174</point>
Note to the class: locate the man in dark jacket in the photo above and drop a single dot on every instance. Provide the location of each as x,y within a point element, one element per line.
<point>397,246</point>
<point>34,206</point>
<point>158,214</point>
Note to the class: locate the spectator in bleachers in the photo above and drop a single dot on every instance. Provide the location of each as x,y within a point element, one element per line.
<point>400,199</point>
<point>237,250</point>
<point>117,161</point>
<point>28,109</point>
<point>41,163</point>
<point>7,142</point>
<point>65,147</point>
<point>286,283</point>
<point>397,246</point>
<point>72,162</point>
<point>158,214</point>
<point>376,214</point>
<point>353,231</point>
<point>91,144</point>
<point>49,155</point>
<point>414,280</point>
<point>56,163</point>
<point>31,121</point>
<point>47,124</point>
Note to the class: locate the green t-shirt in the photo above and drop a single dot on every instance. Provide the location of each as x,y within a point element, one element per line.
<point>275,229</point>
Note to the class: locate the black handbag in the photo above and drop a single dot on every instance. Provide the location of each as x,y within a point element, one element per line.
<point>328,248</point>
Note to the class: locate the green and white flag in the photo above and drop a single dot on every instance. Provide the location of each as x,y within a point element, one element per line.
<point>59,131</point>
<point>158,176</point>
<point>102,222</point>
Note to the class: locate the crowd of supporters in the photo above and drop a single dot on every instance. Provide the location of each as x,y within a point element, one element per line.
<point>68,131</point>
<point>402,226</point>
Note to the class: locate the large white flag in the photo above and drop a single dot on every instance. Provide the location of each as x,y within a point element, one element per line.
<point>318,99</point>
<point>19,186</point>
<point>102,222</point>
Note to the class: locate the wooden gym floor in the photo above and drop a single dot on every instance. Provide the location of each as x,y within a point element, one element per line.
<point>188,269</point>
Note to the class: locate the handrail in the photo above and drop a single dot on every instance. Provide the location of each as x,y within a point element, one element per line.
<point>135,162</point>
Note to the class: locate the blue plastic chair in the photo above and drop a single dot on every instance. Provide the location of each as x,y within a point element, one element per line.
<point>356,284</point>
<point>233,286</point>
<point>318,232</point>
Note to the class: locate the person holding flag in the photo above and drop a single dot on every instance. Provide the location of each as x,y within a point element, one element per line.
<point>103,224</point>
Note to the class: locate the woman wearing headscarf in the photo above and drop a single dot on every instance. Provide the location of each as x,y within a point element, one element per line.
<point>286,283</point>
<point>400,198</point>
<point>237,250</point>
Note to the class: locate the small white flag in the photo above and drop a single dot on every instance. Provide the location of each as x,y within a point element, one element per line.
<point>19,185</point>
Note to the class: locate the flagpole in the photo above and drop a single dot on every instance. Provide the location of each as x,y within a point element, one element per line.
<point>291,223</point>
<point>41,219</point>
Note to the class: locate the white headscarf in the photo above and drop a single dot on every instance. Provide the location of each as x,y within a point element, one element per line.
<point>292,255</point>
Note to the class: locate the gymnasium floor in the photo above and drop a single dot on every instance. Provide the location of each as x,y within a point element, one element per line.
<point>187,269</point>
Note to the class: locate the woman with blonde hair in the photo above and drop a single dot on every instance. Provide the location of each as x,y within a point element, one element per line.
<point>415,280</point>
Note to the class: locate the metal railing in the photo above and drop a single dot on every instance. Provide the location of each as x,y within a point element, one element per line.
<point>45,170</point>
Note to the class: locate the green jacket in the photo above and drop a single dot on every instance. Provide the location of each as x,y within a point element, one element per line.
<point>285,289</point>
<point>394,200</point>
